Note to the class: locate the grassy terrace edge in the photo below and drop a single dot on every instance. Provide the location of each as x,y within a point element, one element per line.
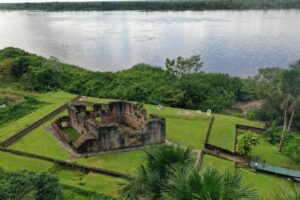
<point>156,5</point>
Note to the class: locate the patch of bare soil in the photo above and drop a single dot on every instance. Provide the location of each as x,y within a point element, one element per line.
<point>188,113</point>
<point>249,105</point>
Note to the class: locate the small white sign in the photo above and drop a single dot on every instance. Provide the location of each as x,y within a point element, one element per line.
<point>159,107</point>
<point>208,112</point>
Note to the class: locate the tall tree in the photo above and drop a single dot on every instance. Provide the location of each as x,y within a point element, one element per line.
<point>152,177</point>
<point>291,92</point>
<point>284,194</point>
<point>182,66</point>
<point>208,185</point>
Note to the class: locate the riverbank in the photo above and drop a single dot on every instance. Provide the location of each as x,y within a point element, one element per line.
<point>155,5</point>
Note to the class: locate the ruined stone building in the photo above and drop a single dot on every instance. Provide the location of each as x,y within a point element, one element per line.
<point>116,125</point>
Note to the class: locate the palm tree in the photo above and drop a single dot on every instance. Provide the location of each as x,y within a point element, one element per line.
<point>24,192</point>
<point>151,178</point>
<point>294,194</point>
<point>209,185</point>
<point>169,173</point>
<point>289,105</point>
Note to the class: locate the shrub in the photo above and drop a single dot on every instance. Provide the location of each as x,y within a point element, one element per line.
<point>273,133</point>
<point>246,143</point>
<point>29,185</point>
<point>18,110</point>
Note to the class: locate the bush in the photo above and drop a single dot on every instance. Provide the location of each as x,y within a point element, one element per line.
<point>18,110</point>
<point>42,79</point>
<point>273,133</point>
<point>246,143</point>
<point>19,67</point>
<point>29,185</point>
<point>208,91</point>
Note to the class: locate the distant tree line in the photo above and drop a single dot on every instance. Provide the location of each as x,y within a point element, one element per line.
<point>155,5</point>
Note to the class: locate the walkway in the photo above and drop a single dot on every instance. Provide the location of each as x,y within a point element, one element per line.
<point>276,170</point>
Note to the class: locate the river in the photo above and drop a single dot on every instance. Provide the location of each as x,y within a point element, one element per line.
<point>234,42</point>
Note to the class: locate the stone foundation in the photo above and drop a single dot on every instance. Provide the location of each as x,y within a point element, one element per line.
<point>105,127</point>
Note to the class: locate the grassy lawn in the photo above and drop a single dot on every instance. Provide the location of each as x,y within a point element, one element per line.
<point>223,130</point>
<point>125,162</point>
<point>75,193</point>
<point>52,101</point>
<point>184,127</point>
<point>11,162</point>
<point>40,142</point>
<point>269,153</point>
<point>90,181</point>
<point>71,133</point>
<point>221,165</point>
<point>266,185</point>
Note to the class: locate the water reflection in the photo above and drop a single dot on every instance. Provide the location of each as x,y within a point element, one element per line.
<point>234,42</point>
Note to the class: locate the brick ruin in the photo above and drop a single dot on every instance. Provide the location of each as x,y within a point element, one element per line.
<point>112,126</point>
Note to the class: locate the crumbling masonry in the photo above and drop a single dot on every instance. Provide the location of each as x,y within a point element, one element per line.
<point>112,126</point>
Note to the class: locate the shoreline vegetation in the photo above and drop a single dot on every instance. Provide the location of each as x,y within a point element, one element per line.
<point>156,5</point>
<point>180,84</point>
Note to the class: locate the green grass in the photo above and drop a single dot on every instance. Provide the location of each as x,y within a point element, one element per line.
<point>265,184</point>
<point>219,164</point>
<point>19,109</point>
<point>53,100</point>
<point>71,133</point>
<point>87,181</point>
<point>125,162</point>
<point>90,181</point>
<point>223,130</point>
<point>74,193</point>
<point>184,127</point>
<point>11,162</point>
<point>40,142</point>
<point>269,153</point>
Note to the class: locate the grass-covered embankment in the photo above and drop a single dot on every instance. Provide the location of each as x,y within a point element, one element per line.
<point>51,101</point>
<point>89,182</point>
<point>14,106</point>
<point>40,142</point>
